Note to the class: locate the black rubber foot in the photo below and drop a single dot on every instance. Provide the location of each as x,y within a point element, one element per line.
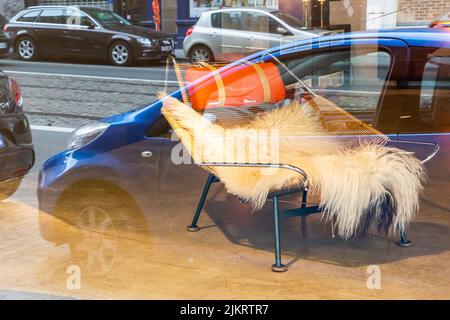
<point>280,268</point>
<point>192,228</point>
<point>405,243</point>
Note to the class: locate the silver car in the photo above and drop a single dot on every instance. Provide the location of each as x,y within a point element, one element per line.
<point>229,34</point>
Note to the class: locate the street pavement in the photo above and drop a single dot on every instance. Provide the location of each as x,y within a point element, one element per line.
<point>67,94</point>
<point>63,95</point>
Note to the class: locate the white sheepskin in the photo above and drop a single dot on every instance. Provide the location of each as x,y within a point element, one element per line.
<point>368,188</point>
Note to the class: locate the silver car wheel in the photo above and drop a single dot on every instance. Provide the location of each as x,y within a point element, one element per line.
<point>200,55</point>
<point>119,53</point>
<point>26,49</point>
<point>98,239</point>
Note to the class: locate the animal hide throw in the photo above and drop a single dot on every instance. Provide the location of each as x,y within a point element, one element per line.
<point>368,187</point>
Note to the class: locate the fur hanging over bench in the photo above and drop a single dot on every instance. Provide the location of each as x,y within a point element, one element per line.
<point>367,188</point>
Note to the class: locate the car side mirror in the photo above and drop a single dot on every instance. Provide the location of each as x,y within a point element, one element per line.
<point>283,31</point>
<point>91,25</point>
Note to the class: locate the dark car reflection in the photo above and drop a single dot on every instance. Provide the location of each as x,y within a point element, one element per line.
<point>87,32</point>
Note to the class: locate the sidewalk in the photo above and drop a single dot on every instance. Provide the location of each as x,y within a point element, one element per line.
<point>24,295</point>
<point>180,54</point>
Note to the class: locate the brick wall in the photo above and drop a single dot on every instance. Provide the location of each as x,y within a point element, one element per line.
<point>421,11</point>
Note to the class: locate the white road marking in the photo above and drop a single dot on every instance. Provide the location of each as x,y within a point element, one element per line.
<point>13,62</point>
<point>90,77</point>
<point>51,128</point>
<point>90,66</point>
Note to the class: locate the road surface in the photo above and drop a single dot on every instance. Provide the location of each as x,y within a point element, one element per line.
<point>61,96</point>
<point>66,94</point>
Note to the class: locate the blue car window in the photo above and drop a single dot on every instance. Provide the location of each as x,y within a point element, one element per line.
<point>435,94</point>
<point>160,128</point>
<point>428,107</point>
<point>353,79</point>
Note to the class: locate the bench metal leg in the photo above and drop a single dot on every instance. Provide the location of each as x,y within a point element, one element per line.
<point>193,227</point>
<point>404,242</point>
<point>278,266</point>
<point>304,226</point>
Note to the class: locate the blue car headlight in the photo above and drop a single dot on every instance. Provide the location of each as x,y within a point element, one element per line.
<point>86,134</point>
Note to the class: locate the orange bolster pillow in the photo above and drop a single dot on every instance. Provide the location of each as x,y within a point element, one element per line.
<point>243,85</point>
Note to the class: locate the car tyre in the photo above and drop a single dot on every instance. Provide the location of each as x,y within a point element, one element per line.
<point>8,188</point>
<point>201,53</point>
<point>120,54</point>
<point>103,217</point>
<point>26,49</point>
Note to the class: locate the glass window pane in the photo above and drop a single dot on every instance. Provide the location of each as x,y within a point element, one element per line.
<point>215,20</point>
<point>29,16</point>
<point>231,20</point>
<point>353,80</point>
<point>435,94</point>
<point>75,17</point>
<point>51,16</point>
<point>256,22</point>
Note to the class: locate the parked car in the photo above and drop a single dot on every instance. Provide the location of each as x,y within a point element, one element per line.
<point>86,32</point>
<point>3,21</point>
<point>4,38</point>
<point>441,21</point>
<point>128,171</point>
<point>228,34</point>
<point>16,148</point>
<point>4,44</point>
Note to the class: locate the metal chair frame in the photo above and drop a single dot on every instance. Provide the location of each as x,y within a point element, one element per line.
<point>303,211</point>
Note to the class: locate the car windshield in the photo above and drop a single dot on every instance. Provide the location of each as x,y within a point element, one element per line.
<point>290,20</point>
<point>108,18</point>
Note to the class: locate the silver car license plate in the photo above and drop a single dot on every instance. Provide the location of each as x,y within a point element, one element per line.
<point>3,45</point>
<point>166,48</point>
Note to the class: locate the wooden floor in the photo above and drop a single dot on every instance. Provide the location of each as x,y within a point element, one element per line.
<point>94,256</point>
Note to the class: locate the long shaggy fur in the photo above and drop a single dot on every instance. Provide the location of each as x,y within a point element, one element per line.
<point>370,188</point>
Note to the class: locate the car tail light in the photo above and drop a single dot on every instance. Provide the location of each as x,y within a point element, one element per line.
<point>189,31</point>
<point>5,28</point>
<point>15,90</point>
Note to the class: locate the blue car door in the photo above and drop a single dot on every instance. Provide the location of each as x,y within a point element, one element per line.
<point>425,123</point>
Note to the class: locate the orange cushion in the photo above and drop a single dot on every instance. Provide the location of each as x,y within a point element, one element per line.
<point>244,85</point>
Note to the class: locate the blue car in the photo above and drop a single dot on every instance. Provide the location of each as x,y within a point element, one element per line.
<point>128,169</point>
